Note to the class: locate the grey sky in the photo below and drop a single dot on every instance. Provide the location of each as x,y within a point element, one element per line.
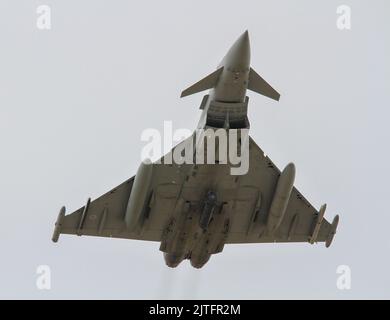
<point>74,101</point>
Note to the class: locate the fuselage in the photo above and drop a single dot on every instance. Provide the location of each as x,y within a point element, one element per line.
<point>200,228</point>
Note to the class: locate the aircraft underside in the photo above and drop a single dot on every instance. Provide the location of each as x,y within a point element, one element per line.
<point>199,228</point>
<point>194,208</point>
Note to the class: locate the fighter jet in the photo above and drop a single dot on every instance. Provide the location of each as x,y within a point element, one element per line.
<point>194,209</point>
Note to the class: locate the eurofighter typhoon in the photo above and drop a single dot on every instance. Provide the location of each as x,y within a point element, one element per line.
<point>194,208</point>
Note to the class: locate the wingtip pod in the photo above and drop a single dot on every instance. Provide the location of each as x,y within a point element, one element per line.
<point>57,228</point>
<point>332,232</point>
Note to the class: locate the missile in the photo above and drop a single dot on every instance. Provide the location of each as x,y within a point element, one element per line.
<point>208,210</point>
<point>281,197</point>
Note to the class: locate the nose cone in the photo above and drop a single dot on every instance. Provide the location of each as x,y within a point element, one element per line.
<point>238,56</point>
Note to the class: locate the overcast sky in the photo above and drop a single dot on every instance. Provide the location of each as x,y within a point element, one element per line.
<point>75,99</point>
